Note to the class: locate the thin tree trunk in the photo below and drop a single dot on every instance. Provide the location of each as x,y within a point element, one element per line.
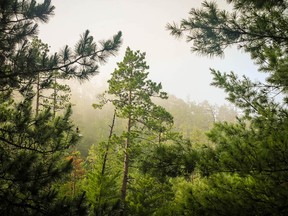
<point>126,163</point>
<point>126,169</point>
<point>108,144</point>
<point>126,158</point>
<point>99,209</point>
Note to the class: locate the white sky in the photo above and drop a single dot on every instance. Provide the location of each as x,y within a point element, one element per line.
<point>142,23</point>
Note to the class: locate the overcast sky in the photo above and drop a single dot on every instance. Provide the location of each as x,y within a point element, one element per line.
<point>142,22</point>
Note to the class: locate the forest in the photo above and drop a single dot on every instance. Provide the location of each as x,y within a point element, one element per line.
<point>130,148</point>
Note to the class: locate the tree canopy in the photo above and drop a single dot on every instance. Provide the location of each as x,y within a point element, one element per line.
<point>32,147</point>
<point>147,162</point>
<point>246,168</point>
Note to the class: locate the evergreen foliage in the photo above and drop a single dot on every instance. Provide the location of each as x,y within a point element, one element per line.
<point>172,157</point>
<point>191,119</point>
<point>32,147</point>
<point>144,166</point>
<point>245,171</point>
<point>102,188</point>
<point>131,93</point>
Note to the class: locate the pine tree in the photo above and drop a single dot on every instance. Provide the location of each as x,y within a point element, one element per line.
<point>132,97</point>
<point>40,81</point>
<point>49,92</point>
<point>57,96</point>
<point>32,147</point>
<point>102,185</point>
<point>246,168</point>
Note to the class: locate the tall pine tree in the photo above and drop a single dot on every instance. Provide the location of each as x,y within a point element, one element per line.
<point>132,93</point>
<point>31,147</point>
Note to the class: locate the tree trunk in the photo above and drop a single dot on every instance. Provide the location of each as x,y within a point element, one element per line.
<point>126,158</point>
<point>108,144</point>
<point>126,168</point>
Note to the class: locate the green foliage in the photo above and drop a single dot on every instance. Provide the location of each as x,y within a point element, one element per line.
<point>172,157</point>
<point>190,119</point>
<point>32,158</point>
<point>134,91</point>
<point>131,94</point>
<point>222,29</point>
<point>246,167</point>
<point>148,196</point>
<point>19,60</point>
<point>32,147</point>
<point>102,189</point>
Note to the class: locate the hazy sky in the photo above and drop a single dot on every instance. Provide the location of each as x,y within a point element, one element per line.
<point>142,23</point>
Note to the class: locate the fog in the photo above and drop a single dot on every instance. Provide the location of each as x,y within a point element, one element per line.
<point>182,73</point>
